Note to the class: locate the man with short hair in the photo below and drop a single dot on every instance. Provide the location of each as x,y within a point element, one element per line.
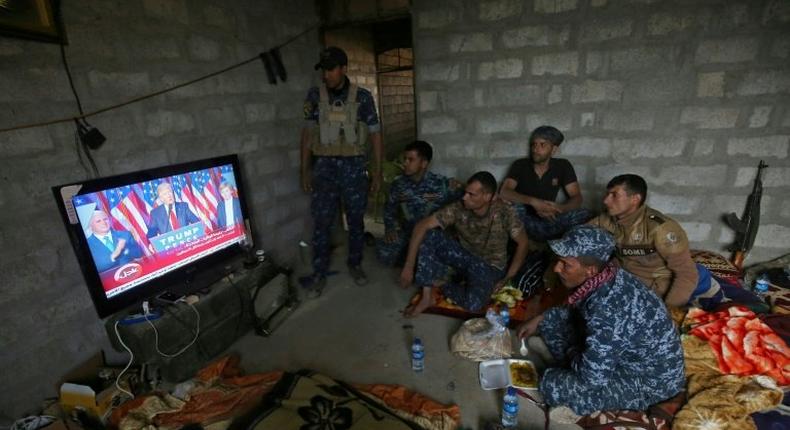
<point>533,184</point>
<point>339,119</point>
<point>110,248</point>
<point>651,245</point>
<point>412,196</point>
<point>229,206</point>
<point>483,224</point>
<point>169,215</point>
<point>612,345</point>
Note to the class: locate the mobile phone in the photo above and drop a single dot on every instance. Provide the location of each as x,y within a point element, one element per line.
<point>169,297</point>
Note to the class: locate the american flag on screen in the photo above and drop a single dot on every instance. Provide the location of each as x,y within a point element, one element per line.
<point>185,192</point>
<point>129,206</point>
<point>129,210</point>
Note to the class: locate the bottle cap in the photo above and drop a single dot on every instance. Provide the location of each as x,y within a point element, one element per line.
<point>511,391</point>
<point>417,341</point>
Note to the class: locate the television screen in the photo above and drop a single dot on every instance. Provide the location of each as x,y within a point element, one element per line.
<point>141,233</point>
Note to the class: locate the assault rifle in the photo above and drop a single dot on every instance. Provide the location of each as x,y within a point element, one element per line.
<point>746,227</point>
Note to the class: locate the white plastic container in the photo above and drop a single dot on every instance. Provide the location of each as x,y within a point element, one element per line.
<point>496,374</point>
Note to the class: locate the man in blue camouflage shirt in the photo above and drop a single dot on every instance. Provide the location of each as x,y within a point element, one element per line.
<point>339,119</point>
<point>412,196</point>
<point>612,344</point>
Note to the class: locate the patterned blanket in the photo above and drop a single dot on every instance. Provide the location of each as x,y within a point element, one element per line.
<point>221,396</point>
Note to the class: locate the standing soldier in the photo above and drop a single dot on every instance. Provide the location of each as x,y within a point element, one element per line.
<point>340,116</point>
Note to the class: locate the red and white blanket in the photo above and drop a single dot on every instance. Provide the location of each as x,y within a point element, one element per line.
<point>743,344</point>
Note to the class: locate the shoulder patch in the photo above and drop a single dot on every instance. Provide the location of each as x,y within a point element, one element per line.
<point>657,219</point>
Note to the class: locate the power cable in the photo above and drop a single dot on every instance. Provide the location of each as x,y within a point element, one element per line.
<point>128,365</point>
<point>71,81</point>
<point>83,115</point>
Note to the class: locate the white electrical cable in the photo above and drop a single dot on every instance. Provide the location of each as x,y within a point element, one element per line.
<point>156,335</point>
<point>128,365</point>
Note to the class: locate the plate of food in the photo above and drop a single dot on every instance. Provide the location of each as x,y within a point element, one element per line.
<point>503,373</point>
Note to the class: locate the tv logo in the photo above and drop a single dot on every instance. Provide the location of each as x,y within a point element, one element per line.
<point>128,272</point>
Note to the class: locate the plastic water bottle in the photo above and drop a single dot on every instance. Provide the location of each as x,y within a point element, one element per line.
<point>417,355</point>
<point>510,408</point>
<point>761,286</point>
<point>505,315</point>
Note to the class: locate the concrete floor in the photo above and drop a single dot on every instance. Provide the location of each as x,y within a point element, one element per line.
<point>358,335</point>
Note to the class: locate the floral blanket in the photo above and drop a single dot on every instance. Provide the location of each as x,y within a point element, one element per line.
<point>221,395</point>
<point>311,401</point>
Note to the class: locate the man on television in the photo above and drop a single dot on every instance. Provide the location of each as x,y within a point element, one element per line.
<point>170,215</point>
<point>229,208</point>
<point>110,248</point>
<point>340,118</point>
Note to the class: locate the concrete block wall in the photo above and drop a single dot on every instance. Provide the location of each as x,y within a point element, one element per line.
<point>691,95</point>
<point>117,51</point>
<point>397,100</point>
<point>358,44</point>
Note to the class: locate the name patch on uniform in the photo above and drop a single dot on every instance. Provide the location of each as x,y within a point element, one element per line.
<point>635,251</point>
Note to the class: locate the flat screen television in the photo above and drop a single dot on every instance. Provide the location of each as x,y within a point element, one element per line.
<point>141,233</point>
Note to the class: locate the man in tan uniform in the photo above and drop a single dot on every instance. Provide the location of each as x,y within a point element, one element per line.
<point>651,245</point>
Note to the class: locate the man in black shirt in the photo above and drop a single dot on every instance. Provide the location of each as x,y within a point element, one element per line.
<point>533,184</point>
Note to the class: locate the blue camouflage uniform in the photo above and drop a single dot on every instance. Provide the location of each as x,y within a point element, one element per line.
<point>339,174</point>
<point>407,203</point>
<point>617,347</point>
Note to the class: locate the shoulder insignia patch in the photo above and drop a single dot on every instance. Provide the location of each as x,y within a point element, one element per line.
<point>671,237</point>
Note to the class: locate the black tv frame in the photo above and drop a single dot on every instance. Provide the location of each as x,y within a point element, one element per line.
<point>191,277</point>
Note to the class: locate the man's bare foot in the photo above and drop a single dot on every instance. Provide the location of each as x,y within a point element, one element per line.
<point>415,309</point>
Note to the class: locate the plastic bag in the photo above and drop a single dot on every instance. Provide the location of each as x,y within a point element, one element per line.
<point>481,339</point>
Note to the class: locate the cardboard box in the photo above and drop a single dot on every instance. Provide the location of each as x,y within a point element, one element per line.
<point>83,388</point>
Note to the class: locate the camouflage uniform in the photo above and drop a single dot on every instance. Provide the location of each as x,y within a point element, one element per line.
<point>630,356</point>
<point>544,229</point>
<point>615,343</point>
<point>339,170</point>
<point>409,202</point>
<point>479,256</point>
<point>655,248</point>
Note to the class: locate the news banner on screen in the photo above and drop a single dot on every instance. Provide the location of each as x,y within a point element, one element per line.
<point>140,231</point>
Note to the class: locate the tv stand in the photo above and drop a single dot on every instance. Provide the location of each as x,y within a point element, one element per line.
<point>227,311</point>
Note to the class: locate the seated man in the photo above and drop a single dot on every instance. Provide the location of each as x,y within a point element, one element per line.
<point>412,196</point>
<point>613,345</point>
<point>653,246</point>
<point>533,184</point>
<point>483,225</point>
<point>110,248</point>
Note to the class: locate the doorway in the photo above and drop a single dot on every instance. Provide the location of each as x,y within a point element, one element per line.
<point>380,59</point>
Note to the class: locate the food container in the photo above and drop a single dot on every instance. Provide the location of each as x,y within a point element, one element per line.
<point>496,374</point>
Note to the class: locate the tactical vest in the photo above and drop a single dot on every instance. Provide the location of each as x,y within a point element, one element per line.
<point>339,133</point>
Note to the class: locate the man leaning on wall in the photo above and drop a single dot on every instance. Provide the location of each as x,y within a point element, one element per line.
<point>534,183</point>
